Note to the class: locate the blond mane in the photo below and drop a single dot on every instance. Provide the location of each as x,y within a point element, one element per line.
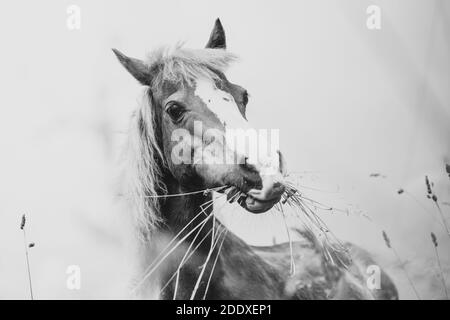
<point>182,66</point>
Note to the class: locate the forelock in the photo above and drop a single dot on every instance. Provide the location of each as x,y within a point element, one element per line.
<point>181,66</point>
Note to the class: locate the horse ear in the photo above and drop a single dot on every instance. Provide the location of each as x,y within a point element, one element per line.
<point>138,69</point>
<point>217,38</point>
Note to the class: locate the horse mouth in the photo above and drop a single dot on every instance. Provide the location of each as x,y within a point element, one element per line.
<point>256,206</point>
<point>252,201</point>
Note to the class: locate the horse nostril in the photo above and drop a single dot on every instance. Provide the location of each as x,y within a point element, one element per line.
<point>273,188</point>
<point>278,187</point>
<point>252,181</point>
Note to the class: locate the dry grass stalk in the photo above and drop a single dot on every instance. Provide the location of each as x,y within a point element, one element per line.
<point>389,245</point>
<point>27,246</point>
<point>435,244</point>
<point>431,195</point>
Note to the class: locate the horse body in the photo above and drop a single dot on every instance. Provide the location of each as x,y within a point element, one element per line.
<point>185,249</point>
<point>244,272</point>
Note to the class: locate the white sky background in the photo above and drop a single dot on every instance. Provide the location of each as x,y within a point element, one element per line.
<point>348,101</point>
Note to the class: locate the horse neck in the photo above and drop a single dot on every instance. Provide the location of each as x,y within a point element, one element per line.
<point>183,213</point>
<point>237,272</point>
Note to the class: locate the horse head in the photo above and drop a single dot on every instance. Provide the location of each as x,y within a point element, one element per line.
<point>205,139</point>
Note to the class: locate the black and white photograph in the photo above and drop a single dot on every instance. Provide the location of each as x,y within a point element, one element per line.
<point>225,150</point>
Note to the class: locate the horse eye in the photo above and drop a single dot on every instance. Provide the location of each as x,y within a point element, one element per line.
<point>176,112</point>
<point>245,98</point>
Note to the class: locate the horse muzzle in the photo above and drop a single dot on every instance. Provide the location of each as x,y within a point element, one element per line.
<point>261,200</point>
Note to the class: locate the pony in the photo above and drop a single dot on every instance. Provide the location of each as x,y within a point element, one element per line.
<point>181,156</point>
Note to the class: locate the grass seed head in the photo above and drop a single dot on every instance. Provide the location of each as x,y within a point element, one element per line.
<point>22,223</point>
<point>434,239</point>
<point>386,239</point>
<point>427,183</point>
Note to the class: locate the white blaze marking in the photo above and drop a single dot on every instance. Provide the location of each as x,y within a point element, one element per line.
<point>223,105</point>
